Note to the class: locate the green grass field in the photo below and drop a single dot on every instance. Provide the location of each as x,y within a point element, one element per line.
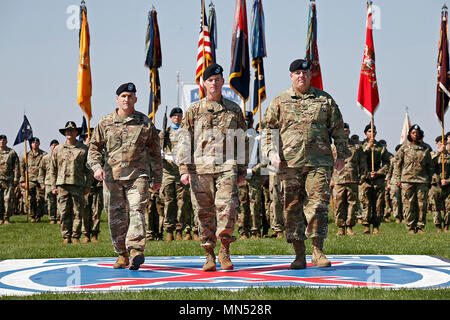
<point>21,240</point>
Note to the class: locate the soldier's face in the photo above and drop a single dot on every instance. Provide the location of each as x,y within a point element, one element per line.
<point>369,134</point>
<point>3,143</point>
<point>213,85</point>
<point>301,80</point>
<point>176,118</point>
<point>347,132</point>
<point>126,101</point>
<point>53,146</point>
<point>71,134</point>
<point>35,145</point>
<point>415,134</point>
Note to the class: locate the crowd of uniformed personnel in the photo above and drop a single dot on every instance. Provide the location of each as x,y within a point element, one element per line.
<point>372,188</point>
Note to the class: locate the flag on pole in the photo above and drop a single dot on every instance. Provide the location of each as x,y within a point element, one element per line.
<point>258,43</point>
<point>443,82</point>
<point>212,23</point>
<point>368,98</point>
<point>25,131</point>
<point>312,53</point>
<point>84,130</point>
<point>405,129</point>
<point>240,64</point>
<point>84,85</point>
<point>204,58</point>
<point>153,61</point>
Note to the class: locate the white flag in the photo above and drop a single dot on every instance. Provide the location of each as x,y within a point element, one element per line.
<point>405,129</point>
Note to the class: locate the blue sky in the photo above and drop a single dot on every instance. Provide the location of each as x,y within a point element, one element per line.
<point>39,58</point>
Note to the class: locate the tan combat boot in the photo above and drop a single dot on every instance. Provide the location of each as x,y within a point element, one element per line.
<point>196,235</point>
<point>318,258</point>
<point>376,230</point>
<point>136,259</point>
<point>122,261</point>
<point>341,231</point>
<point>446,228</point>
<point>224,256</point>
<point>300,256</point>
<point>280,235</point>
<point>76,241</point>
<point>187,236</point>
<point>86,239</point>
<point>94,238</point>
<point>179,235</point>
<point>169,236</point>
<point>349,231</point>
<point>439,228</point>
<point>210,264</point>
<point>6,221</point>
<point>67,241</point>
<point>367,229</point>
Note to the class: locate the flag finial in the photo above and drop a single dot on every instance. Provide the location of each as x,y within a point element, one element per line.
<point>444,7</point>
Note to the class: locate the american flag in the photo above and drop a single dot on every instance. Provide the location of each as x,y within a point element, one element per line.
<point>204,58</point>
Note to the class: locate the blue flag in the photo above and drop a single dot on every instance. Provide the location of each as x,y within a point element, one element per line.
<point>84,130</point>
<point>258,53</point>
<point>25,132</point>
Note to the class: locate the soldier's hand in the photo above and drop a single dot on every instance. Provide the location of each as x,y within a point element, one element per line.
<point>241,178</point>
<point>156,187</point>
<point>373,174</point>
<point>99,174</point>
<point>55,191</point>
<point>399,184</point>
<point>275,160</point>
<point>331,185</point>
<point>185,179</point>
<point>444,182</point>
<point>339,165</point>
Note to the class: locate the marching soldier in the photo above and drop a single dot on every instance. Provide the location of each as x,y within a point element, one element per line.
<point>345,187</point>
<point>372,197</point>
<point>45,182</point>
<point>211,157</point>
<point>301,119</point>
<point>413,171</point>
<point>128,143</point>
<point>175,195</point>
<point>36,202</point>
<point>70,179</point>
<point>9,179</point>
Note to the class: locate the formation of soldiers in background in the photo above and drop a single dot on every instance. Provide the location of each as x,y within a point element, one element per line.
<point>373,187</point>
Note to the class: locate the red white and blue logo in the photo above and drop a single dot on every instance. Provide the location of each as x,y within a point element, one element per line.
<point>31,276</point>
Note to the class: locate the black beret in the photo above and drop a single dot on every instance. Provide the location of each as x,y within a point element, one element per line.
<point>34,139</point>
<point>438,139</point>
<point>346,126</point>
<point>212,70</point>
<point>176,110</point>
<point>54,141</point>
<point>126,87</point>
<point>367,128</point>
<point>2,136</point>
<point>299,64</point>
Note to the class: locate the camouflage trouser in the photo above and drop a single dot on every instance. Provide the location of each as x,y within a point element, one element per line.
<point>396,199</point>
<point>71,204</point>
<point>388,210</point>
<point>215,199</point>
<point>177,204</point>
<point>439,204</point>
<point>154,217</point>
<point>265,204</point>
<point>359,212</point>
<point>415,197</point>
<point>94,208</point>
<point>275,206</point>
<point>36,201</point>
<point>52,206</point>
<point>126,202</point>
<point>6,198</point>
<point>305,195</point>
<point>372,202</point>
<point>345,203</point>
<point>243,210</point>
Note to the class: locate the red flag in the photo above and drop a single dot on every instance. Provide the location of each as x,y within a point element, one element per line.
<point>204,58</point>
<point>368,88</point>
<point>443,81</point>
<point>312,53</point>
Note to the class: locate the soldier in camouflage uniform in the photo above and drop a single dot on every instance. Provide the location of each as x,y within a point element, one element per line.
<point>413,171</point>
<point>127,141</point>
<point>175,195</point>
<point>300,120</point>
<point>439,194</point>
<point>70,179</point>
<point>9,179</point>
<point>372,189</point>
<point>44,180</point>
<point>94,204</point>
<point>395,193</point>
<point>345,187</point>
<point>211,157</point>
<point>154,217</point>
<point>275,205</point>
<point>36,201</point>
<point>387,198</point>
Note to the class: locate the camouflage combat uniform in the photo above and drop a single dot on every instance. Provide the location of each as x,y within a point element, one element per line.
<point>414,169</point>
<point>346,182</point>
<point>395,193</point>
<point>212,150</point>
<point>9,178</point>
<point>439,195</point>
<point>44,180</point>
<point>372,190</point>
<point>178,213</point>
<point>36,201</point>
<point>132,156</point>
<point>305,123</point>
<point>94,208</point>
<point>71,177</point>
<point>154,217</point>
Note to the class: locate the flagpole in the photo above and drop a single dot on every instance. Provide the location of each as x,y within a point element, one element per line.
<point>442,127</point>
<point>259,99</point>
<point>26,180</point>
<point>373,147</point>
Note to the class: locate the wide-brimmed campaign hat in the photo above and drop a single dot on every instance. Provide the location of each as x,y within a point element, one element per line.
<point>70,125</point>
